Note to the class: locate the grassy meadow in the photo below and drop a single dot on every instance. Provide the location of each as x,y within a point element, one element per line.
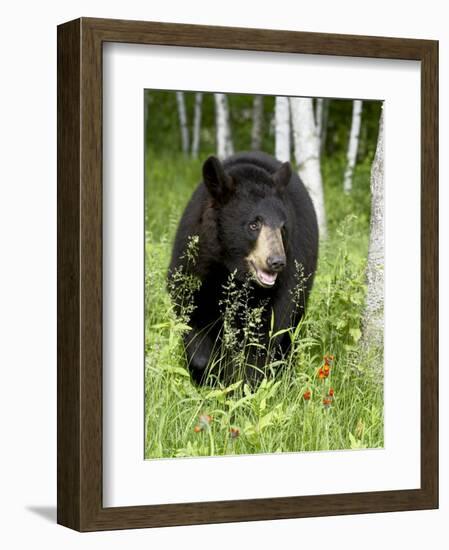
<point>308,407</point>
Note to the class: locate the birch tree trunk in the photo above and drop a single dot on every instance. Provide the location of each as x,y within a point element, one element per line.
<point>373,321</point>
<point>282,128</point>
<point>307,154</point>
<point>256,132</point>
<point>321,114</point>
<point>353,144</point>
<point>324,119</point>
<point>197,124</point>
<point>183,122</point>
<point>319,110</point>
<point>223,127</point>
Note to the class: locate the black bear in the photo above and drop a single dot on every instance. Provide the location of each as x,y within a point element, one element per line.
<point>253,218</point>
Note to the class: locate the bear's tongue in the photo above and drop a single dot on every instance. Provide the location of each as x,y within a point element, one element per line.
<point>266,278</point>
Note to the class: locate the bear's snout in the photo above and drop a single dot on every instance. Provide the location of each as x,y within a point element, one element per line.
<point>276,263</point>
<point>267,258</point>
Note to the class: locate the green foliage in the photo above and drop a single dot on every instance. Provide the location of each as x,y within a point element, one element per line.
<point>169,183</point>
<point>185,420</point>
<point>339,126</point>
<point>240,107</point>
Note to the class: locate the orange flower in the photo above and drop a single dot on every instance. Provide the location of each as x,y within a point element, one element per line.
<point>306,395</point>
<point>235,432</point>
<point>323,372</point>
<point>204,421</point>
<point>197,429</point>
<point>327,402</point>
<point>331,392</point>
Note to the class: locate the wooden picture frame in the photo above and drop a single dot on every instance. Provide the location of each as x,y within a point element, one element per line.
<point>80,504</point>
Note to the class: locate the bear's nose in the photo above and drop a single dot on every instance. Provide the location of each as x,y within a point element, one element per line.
<point>276,263</point>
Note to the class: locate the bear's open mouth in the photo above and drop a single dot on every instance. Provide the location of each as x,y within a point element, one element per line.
<point>263,277</point>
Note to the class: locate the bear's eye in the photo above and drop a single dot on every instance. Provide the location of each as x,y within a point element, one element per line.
<point>255,225</point>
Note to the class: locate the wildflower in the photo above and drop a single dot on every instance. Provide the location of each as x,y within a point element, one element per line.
<point>327,402</point>
<point>331,392</point>
<point>323,372</point>
<point>204,421</point>
<point>306,395</point>
<point>235,432</point>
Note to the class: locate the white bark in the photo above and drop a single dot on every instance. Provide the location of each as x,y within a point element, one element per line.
<point>319,109</point>
<point>373,322</point>
<point>223,127</point>
<point>197,124</point>
<point>256,132</point>
<point>307,154</point>
<point>353,144</point>
<point>324,119</point>
<point>282,128</point>
<point>183,121</point>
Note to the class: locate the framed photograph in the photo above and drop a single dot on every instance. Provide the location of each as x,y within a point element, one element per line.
<point>247,274</point>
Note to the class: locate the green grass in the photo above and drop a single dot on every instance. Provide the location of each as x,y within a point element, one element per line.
<point>275,417</point>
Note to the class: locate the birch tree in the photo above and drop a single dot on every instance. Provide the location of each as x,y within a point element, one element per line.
<point>282,128</point>
<point>307,155</point>
<point>256,132</point>
<point>223,127</point>
<point>319,109</point>
<point>324,120</point>
<point>353,144</point>
<point>321,114</point>
<point>373,321</point>
<point>197,124</point>
<point>183,122</point>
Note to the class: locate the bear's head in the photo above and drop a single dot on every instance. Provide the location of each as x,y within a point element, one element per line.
<point>251,218</point>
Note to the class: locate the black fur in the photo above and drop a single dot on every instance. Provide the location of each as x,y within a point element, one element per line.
<point>232,193</point>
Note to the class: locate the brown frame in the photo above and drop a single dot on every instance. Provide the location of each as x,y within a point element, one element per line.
<point>80,274</point>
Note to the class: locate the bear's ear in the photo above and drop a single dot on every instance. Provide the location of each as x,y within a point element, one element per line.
<point>282,176</point>
<point>219,184</point>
